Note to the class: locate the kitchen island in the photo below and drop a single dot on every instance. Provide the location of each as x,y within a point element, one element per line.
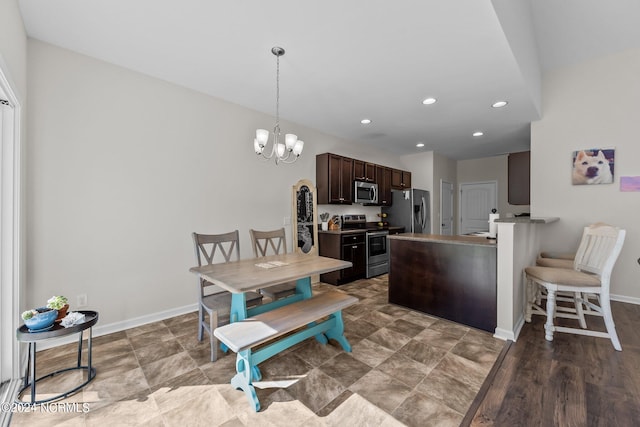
<point>452,277</point>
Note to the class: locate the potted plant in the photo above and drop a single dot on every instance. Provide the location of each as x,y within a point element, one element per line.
<point>38,319</point>
<point>60,303</point>
<point>324,218</point>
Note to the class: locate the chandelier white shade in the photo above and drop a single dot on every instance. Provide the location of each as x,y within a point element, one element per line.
<point>287,151</point>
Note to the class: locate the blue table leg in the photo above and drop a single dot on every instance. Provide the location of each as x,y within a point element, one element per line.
<point>337,332</point>
<point>242,380</point>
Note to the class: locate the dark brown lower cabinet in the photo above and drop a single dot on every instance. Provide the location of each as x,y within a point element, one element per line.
<point>347,247</point>
<point>448,280</point>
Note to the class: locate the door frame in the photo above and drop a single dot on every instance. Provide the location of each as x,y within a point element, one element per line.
<point>460,206</point>
<point>442,181</point>
<point>10,232</point>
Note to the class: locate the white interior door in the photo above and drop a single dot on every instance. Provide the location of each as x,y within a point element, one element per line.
<point>477,199</point>
<point>446,208</point>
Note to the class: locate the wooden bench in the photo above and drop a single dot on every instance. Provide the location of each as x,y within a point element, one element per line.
<point>319,316</point>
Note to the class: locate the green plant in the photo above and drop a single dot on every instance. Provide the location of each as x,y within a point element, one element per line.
<point>57,302</point>
<point>26,315</point>
<point>324,216</point>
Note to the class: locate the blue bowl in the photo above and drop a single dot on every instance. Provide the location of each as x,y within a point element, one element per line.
<point>42,320</point>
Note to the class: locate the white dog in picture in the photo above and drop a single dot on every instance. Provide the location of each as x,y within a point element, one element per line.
<point>589,169</point>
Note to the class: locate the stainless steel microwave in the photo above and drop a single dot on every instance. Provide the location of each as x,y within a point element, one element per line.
<point>366,193</point>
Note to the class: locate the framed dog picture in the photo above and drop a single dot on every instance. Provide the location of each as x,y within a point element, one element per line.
<point>593,166</point>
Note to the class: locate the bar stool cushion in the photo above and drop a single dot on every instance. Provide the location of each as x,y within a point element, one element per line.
<point>565,276</point>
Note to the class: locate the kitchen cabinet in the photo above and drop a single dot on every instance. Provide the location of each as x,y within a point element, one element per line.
<point>334,179</point>
<point>519,178</point>
<point>347,247</point>
<point>400,180</point>
<point>364,171</point>
<point>383,175</point>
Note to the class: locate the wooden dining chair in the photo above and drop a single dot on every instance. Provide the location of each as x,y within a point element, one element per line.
<point>593,263</point>
<point>272,242</point>
<point>215,302</point>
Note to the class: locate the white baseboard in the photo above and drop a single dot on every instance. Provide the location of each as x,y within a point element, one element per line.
<point>622,298</point>
<point>110,328</point>
<point>504,334</point>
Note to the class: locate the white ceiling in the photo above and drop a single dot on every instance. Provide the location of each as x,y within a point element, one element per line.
<point>355,59</point>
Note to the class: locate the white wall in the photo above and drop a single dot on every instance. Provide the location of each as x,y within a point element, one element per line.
<point>123,167</point>
<point>594,104</point>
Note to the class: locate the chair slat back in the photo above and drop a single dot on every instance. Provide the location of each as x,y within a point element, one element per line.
<point>268,242</point>
<point>207,246</point>
<point>599,249</point>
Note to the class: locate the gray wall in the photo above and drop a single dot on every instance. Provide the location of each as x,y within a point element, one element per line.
<point>594,104</point>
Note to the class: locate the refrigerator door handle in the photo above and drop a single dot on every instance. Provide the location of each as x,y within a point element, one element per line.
<point>423,212</point>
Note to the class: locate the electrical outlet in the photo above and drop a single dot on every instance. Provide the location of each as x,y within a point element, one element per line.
<point>82,300</point>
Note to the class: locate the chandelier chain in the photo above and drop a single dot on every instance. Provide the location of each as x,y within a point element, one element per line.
<point>278,91</point>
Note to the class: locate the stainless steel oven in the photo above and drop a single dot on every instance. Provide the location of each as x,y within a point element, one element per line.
<point>377,253</point>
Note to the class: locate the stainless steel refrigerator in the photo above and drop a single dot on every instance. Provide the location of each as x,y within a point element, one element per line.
<point>411,209</point>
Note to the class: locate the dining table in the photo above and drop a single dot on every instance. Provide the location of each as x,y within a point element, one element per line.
<point>254,274</point>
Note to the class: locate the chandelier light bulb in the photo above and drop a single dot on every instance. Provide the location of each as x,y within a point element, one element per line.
<point>262,136</point>
<point>290,141</point>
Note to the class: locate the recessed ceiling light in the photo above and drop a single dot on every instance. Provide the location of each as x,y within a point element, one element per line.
<point>429,101</point>
<point>478,133</point>
<point>365,121</point>
<point>420,144</point>
<point>499,104</point>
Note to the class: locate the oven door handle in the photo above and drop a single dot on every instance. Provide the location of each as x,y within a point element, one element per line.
<point>377,233</point>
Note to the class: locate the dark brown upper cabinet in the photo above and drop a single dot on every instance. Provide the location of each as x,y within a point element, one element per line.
<point>364,171</point>
<point>400,180</point>
<point>383,175</point>
<point>519,167</point>
<point>334,179</point>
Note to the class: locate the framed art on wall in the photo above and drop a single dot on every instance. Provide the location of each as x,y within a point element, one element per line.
<point>593,166</point>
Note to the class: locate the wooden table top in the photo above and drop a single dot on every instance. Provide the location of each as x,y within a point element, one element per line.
<point>256,273</point>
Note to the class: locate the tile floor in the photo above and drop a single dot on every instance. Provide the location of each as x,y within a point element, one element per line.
<point>406,368</point>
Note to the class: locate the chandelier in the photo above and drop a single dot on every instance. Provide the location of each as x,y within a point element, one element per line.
<point>287,151</point>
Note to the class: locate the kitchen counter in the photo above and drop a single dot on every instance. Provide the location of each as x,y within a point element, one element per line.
<point>363,230</point>
<point>527,220</point>
<point>439,238</point>
<point>452,277</point>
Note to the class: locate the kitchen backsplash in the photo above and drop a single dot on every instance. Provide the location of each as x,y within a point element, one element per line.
<point>370,211</point>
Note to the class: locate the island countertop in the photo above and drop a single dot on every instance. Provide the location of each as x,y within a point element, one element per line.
<point>439,238</point>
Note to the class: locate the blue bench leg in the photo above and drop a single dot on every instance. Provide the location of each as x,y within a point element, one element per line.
<point>337,332</point>
<point>242,380</point>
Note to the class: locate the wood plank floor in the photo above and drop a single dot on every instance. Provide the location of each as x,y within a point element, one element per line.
<point>572,381</point>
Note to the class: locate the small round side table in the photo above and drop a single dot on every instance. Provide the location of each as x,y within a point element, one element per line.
<point>24,335</point>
